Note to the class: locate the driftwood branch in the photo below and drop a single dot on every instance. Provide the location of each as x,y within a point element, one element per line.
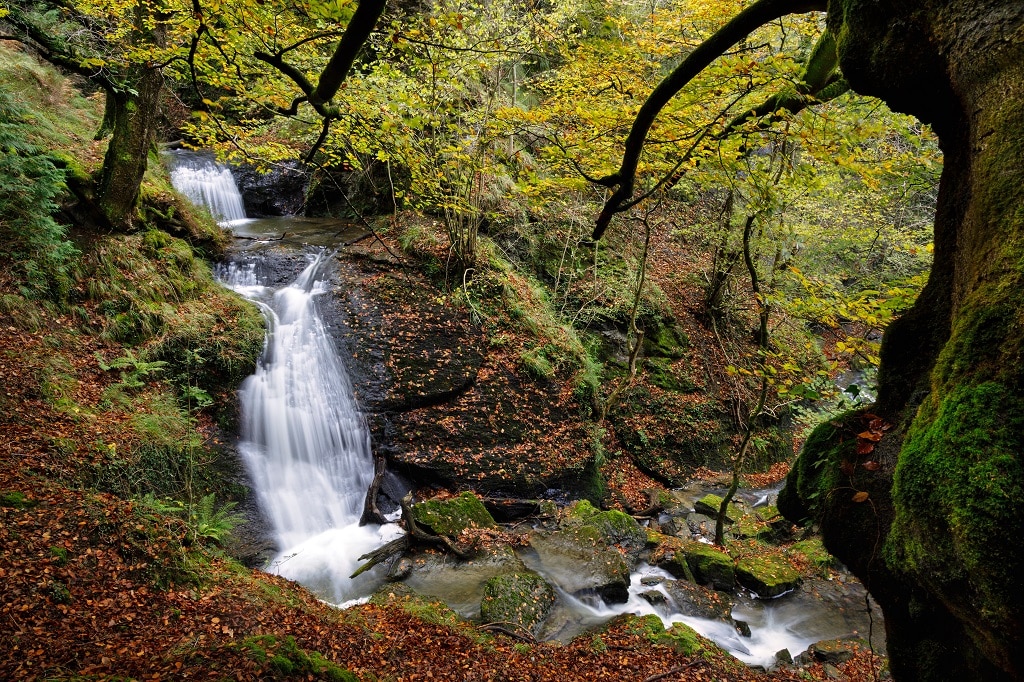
<point>371,513</point>
<point>382,554</point>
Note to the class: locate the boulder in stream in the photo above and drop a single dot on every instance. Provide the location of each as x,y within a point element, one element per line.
<point>522,599</point>
<point>698,601</point>
<point>613,527</point>
<point>453,515</point>
<point>577,560</point>
<point>767,575</point>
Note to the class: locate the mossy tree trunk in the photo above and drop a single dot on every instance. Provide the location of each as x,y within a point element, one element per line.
<point>133,134</point>
<point>937,541</point>
<point>132,110</point>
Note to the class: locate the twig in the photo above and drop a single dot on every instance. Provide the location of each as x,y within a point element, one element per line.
<point>673,671</point>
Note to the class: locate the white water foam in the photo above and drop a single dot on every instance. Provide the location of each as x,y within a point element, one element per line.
<point>207,183</point>
<point>304,441</point>
<point>774,625</point>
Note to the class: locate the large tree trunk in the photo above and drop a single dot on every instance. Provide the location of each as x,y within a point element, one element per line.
<point>937,541</point>
<point>132,110</point>
<point>133,134</point>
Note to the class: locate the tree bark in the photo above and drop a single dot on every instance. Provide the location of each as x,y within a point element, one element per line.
<point>132,137</point>
<point>937,541</point>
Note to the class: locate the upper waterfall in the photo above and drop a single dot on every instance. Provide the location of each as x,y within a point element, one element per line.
<point>206,183</point>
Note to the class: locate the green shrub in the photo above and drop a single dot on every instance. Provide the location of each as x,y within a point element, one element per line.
<point>30,184</point>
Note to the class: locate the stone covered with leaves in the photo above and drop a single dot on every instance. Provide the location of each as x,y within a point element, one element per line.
<point>521,599</point>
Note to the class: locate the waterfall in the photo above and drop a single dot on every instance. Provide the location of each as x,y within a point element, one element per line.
<point>206,183</point>
<point>304,441</point>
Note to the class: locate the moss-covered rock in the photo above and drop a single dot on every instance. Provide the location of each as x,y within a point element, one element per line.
<point>523,599</point>
<point>767,575</point>
<point>579,559</point>
<point>710,504</point>
<point>707,565</point>
<point>615,527</point>
<point>834,651</point>
<point>453,515</point>
<point>699,601</point>
<point>814,553</point>
<point>681,638</point>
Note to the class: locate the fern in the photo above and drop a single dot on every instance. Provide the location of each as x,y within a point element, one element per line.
<point>210,522</point>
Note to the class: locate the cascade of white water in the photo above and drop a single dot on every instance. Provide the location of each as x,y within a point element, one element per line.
<point>207,183</point>
<point>304,441</point>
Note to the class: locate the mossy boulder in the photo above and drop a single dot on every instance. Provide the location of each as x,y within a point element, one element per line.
<point>767,575</point>
<point>579,560</point>
<point>704,564</point>
<point>698,601</point>
<point>453,515</point>
<point>834,651</point>
<point>681,638</point>
<point>813,552</point>
<point>614,527</point>
<point>710,504</point>
<point>524,599</point>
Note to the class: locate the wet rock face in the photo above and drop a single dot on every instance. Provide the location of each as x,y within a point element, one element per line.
<point>443,406</point>
<point>523,599</point>
<point>279,192</point>
<point>579,562</point>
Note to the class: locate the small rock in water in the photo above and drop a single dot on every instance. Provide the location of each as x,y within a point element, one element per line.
<point>654,597</point>
<point>782,656</point>
<point>649,580</point>
<point>744,629</point>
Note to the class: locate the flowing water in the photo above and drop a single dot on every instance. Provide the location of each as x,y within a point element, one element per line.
<point>307,450</point>
<point>304,441</point>
<point>206,183</point>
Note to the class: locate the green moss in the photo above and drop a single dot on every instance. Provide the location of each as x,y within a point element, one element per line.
<point>957,488</point>
<point>814,552</point>
<point>681,638</point>
<point>710,504</point>
<point>286,659</point>
<point>520,598</point>
<point>662,373</point>
<point>709,565</point>
<point>60,555</point>
<point>666,341</point>
<point>767,575</point>
<point>453,515</point>
<point>612,526</point>
<point>815,473</point>
<point>16,499</point>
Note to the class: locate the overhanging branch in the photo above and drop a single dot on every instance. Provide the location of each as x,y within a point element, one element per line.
<point>739,27</point>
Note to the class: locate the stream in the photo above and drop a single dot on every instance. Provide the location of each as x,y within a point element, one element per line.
<point>307,452</point>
